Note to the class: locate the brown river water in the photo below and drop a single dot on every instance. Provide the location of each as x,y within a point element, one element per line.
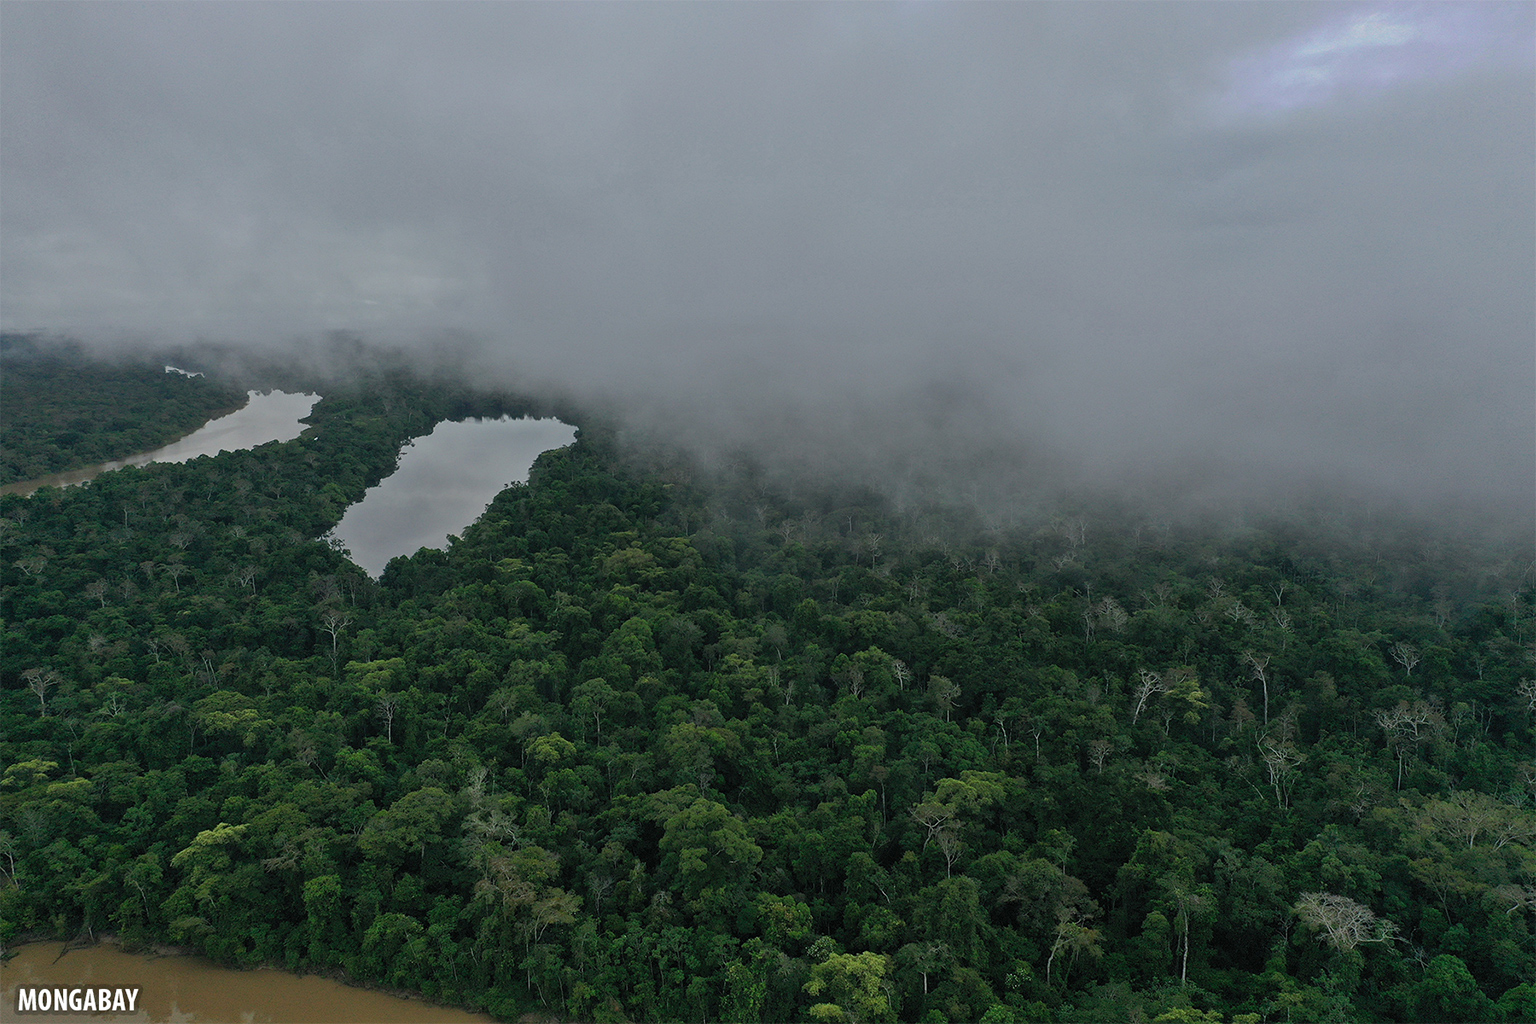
<point>195,991</point>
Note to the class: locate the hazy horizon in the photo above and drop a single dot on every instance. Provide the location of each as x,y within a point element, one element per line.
<point>1234,249</point>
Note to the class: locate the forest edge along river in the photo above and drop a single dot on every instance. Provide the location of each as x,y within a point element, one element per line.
<point>265,417</point>
<point>191,989</point>
<point>443,482</point>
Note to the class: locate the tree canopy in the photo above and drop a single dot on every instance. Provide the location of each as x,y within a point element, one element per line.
<point>651,741</point>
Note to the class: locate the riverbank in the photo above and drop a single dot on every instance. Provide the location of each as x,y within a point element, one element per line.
<point>443,483</point>
<point>66,409</point>
<point>176,983</point>
<point>262,418</point>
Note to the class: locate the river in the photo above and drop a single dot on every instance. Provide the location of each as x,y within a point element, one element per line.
<point>444,483</point>
<point>193,990</point>
<point>266,416</point>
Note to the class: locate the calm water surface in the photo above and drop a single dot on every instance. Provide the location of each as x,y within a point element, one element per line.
<point>192,990</point>
<point>444,483</point>
<point>273,416</point>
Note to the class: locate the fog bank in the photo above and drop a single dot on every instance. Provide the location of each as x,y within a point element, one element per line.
<point>1223,250</point>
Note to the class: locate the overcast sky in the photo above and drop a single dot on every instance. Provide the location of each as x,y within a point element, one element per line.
<point>1226,242</point>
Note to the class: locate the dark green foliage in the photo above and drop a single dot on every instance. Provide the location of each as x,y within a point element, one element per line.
<point>645,744</point>
<point>61,411</point>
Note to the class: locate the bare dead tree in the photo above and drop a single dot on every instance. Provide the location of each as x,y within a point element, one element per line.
<point>950,846</point>
<point>1072,936</point>
<point>1187,899</point>
<point>1075,530</point>
<point>32,565</point>
<point>1151,684</point>
<point>855,680</point>
<point>1406,726</point>
<point>1239,612</point>
<point>8,850</point>
<point>40,681</point>
<point>333,622</point>
<point>598,888</point>
<point>1406,655</point>
<point>1098,752</point>
<point>935,818</point>
<point>1526,690</point>
<point>1112,616</point>
<point>1260,665</point>
<point>1281,760</point>
<point>246,576</point>
<point>786,687</point>
<point>388,703</point>
<point>1284,624</point>
<point>1341,922</point>
<point>1519,898</point>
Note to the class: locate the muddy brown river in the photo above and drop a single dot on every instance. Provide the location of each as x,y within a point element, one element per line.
<point>192,990</point>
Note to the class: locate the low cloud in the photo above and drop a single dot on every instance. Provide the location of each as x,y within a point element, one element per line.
<point>1231,248</point>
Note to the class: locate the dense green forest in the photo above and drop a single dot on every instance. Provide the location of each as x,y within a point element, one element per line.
<point>62,411</point>
<point>651,742</point>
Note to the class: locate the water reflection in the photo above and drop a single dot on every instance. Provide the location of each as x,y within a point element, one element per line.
<point>270,416</point>
<point>444,483</point>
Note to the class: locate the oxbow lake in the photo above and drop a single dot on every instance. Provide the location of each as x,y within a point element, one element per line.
<point>193,990</point>
<point>266,416</point>
<point>444,483</point>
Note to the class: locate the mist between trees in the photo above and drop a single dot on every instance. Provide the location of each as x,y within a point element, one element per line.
<point>663,738</point>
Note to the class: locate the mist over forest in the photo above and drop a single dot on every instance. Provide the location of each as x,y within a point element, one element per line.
<point>1048,535</point>
<point>1192,255</point>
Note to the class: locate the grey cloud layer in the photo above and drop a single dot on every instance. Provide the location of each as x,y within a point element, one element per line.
<point>883,235</point>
